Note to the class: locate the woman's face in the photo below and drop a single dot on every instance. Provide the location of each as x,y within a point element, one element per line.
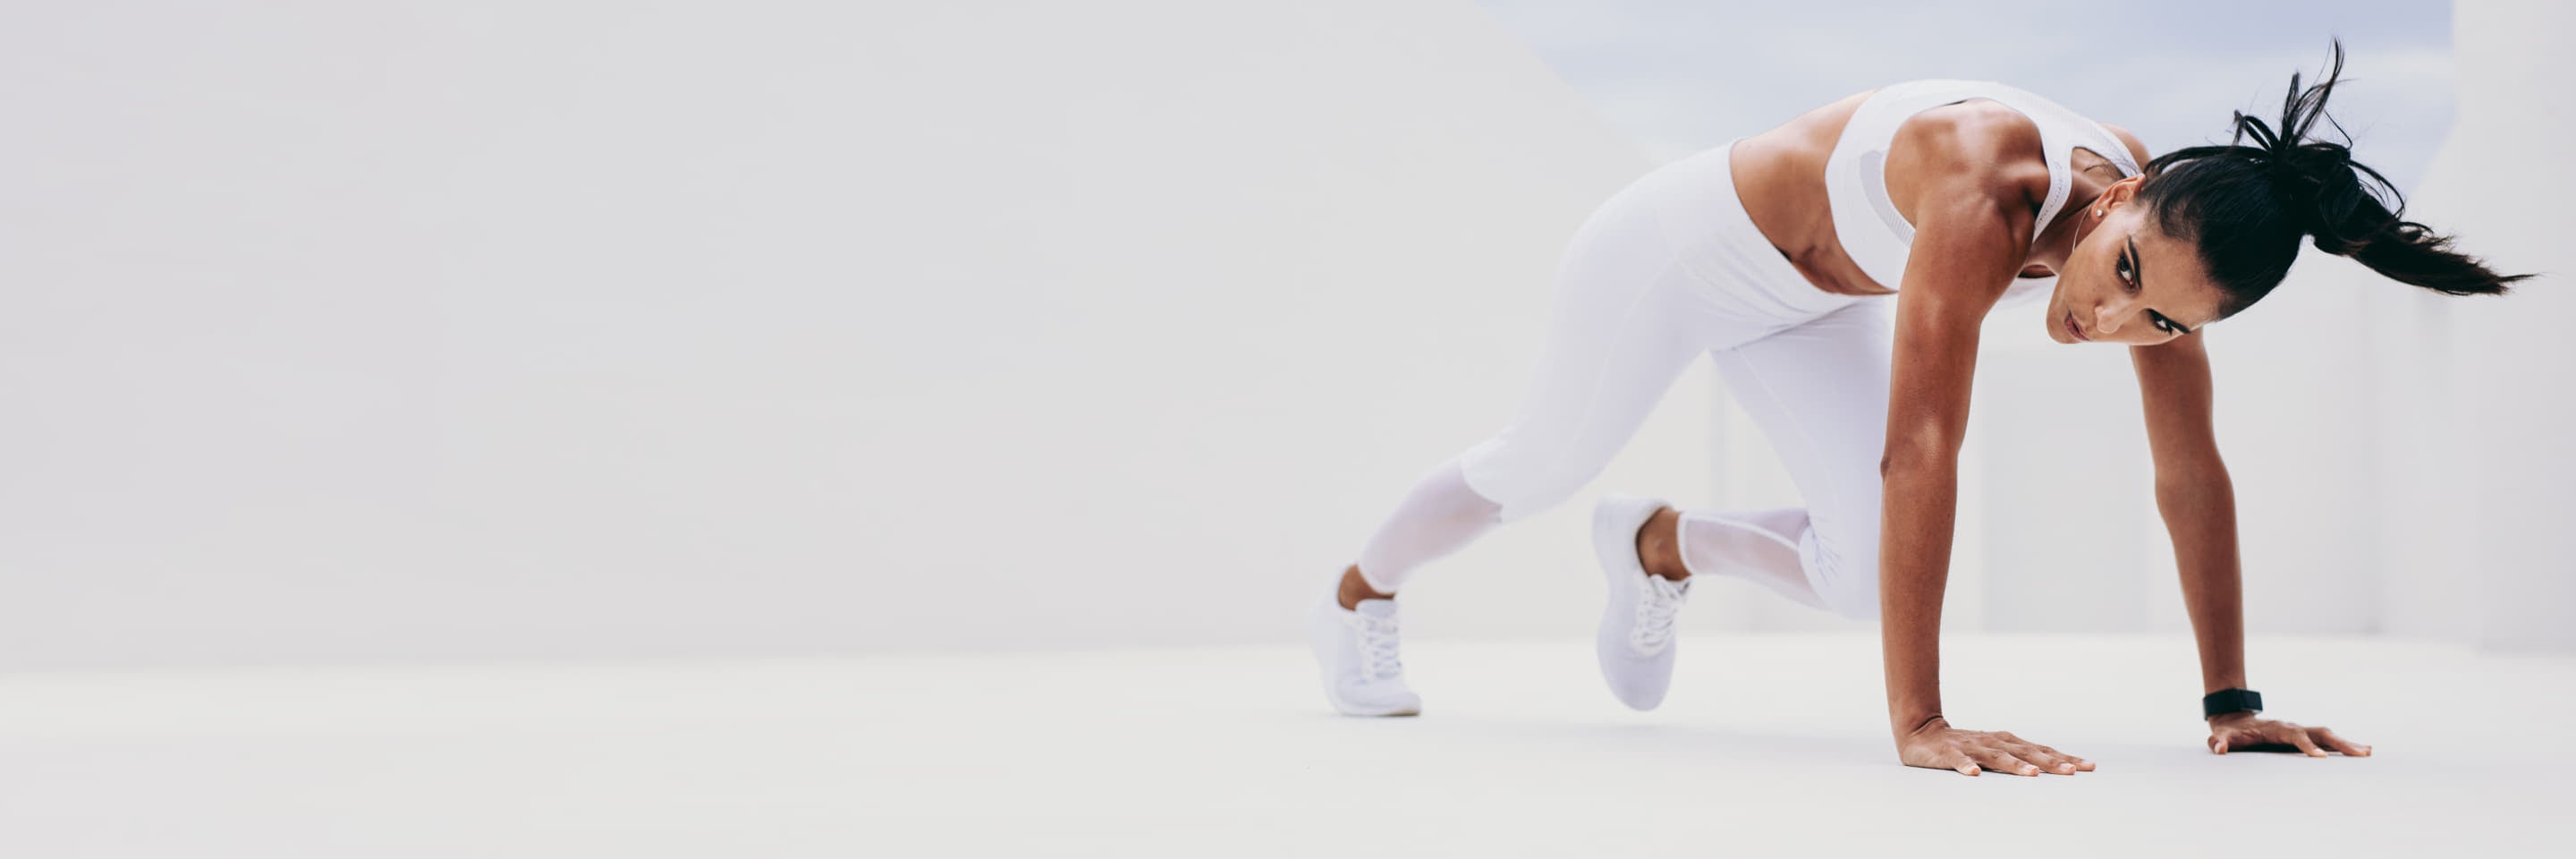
<point>2126,281</point>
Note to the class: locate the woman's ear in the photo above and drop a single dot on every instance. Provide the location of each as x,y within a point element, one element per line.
<point>2122,191</point>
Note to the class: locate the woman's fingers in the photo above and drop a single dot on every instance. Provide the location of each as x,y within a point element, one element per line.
<point>2003,761</point>
<point>2079,763</point>
<point>2048,759</point>
<point>1956,757</point>
<point>2298,736</point>
<point>2340,744</point>
<point>1975,752</point>
<point>2272,736</point>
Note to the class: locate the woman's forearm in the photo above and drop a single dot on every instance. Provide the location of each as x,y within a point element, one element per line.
<point>1919,508</point>
<point>2199,508</point>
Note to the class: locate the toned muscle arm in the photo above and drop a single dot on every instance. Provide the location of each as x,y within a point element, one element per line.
<point>2196,499</point>
<point>1974,229</point>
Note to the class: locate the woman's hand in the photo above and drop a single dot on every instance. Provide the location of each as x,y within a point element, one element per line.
<point>1939,746</point>
<point>2244,733</point>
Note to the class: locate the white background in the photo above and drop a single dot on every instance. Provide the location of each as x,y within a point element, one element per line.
<point>460,330</point>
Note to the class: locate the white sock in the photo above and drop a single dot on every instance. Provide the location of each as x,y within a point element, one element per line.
<point>1440,515</point>
<point>1758,545</point>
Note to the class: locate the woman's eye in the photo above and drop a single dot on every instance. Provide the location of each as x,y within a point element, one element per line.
<point>2166,327</point>
<point>2125,278</point>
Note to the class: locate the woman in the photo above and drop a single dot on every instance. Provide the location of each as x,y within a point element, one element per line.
<point>1784,256</point>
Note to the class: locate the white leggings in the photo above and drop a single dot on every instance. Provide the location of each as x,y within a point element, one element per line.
<point>1668,268</point>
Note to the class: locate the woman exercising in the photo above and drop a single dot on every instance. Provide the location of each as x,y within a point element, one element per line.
<point>1776,255</point>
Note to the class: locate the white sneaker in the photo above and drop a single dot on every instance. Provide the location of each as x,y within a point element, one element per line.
<point>1636,639</point>
<point>1357,650</point>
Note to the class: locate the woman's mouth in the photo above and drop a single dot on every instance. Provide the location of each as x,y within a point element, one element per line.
<point>2073,330</point>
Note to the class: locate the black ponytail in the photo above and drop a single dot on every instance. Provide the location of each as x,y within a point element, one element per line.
<point>2247,207</point>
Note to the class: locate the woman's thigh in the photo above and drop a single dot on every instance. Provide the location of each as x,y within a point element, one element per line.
<point>1621,331</point>
<point>1666,269</point>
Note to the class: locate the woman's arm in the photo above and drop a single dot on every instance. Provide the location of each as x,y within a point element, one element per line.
<point>1974,216</point>
<point>2197,501</point>
<point>2199,507</point>
<point>1927,417</point>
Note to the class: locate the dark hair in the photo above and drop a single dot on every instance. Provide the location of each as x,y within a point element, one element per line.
<point>2246,207</point>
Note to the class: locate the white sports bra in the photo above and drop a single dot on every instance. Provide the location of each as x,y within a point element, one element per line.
<point>1867,223</point>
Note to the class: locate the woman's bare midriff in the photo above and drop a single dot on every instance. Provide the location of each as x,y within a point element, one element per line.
<point>1780,175</point>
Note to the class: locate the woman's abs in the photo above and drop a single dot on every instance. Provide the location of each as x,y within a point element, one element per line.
<point>1780,175</point>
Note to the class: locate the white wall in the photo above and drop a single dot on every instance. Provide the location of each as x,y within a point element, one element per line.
<point>2480,529</point>
<point>452,330</point>
<point>503,330</point>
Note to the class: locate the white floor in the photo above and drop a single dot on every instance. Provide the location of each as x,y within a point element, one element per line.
<point>1770,744</point>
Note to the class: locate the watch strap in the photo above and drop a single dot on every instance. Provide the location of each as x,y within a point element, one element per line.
<point>2230,701</point>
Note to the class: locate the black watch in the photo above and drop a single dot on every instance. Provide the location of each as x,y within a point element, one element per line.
<point>2226,701</point>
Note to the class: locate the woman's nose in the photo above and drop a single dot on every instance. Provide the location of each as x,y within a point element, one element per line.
<point>2106,317</point>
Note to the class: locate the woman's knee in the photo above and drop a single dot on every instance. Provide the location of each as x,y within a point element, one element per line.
<point>1844,570</point>
<point>1521,481</point>
<point>1536,492</point>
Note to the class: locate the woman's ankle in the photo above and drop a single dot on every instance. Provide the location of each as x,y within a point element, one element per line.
<point>1659,545</point>
<point>1355,588</point>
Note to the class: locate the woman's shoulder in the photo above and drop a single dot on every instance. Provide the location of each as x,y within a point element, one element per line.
<point>1976,146</point>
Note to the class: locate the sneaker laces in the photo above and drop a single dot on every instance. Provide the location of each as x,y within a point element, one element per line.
<point>1378,659</point>
<point>1657,603</point>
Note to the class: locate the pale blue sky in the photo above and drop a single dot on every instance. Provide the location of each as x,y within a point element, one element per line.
<point>1682,76</point>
